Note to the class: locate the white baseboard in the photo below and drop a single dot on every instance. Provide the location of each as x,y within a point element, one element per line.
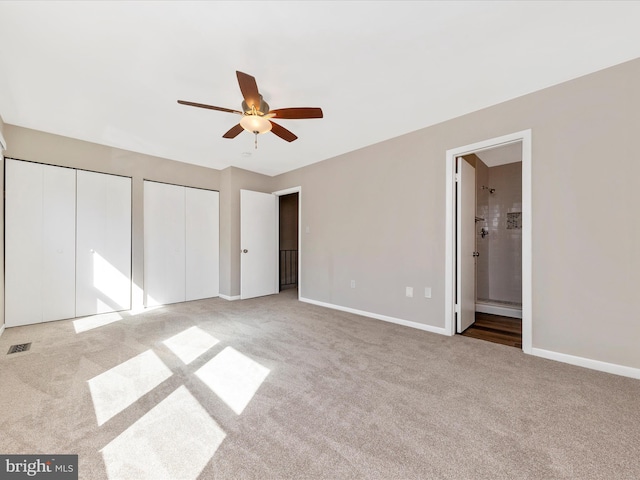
<point>230,298</point>
<point>497,310</point>
<point>1,329</point>
<point>385,318</point>
<point>538,352</point>
<point>588,363</point>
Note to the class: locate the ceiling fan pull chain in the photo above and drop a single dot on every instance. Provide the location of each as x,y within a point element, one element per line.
<point>256,140</point>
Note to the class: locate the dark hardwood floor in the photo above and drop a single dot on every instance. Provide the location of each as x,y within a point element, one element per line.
<point>496,329</point>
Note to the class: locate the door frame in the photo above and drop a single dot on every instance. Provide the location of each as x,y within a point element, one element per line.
<point>523,136</point>
<point>280,193</point>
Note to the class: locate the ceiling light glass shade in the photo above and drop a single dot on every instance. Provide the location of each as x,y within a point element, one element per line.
<point>255,124</point>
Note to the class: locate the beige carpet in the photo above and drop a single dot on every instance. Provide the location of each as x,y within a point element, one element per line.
<point>272,388</point>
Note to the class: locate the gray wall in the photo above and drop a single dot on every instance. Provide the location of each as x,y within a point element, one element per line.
<point>26,144</point>
<point>377,215</point>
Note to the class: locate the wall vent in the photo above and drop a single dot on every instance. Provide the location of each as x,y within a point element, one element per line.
<point>22,347</point>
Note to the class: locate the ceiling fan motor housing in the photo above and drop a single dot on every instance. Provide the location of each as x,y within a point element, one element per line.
<point>261,109</point>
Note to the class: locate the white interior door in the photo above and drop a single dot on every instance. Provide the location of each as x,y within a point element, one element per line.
<point>202,243</point>
<point>23,243</point>
<point>258,243</point>
<point>164,243</point>
<point>103,243</point>
<point>466,214</point>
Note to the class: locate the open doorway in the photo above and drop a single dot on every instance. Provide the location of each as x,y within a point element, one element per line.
<point>288,243</point>
<point>463,233</point>
<point>290,240</point>
<point>497,245</point>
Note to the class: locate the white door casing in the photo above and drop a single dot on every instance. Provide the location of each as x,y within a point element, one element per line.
<point>524,136</point>
<point>465,275</point>
<point>258,243</point>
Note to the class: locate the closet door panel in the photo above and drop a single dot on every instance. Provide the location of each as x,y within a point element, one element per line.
<point>164,243</point>
<point>23,243</point>
<point>59,253</point>
<point>202,243</point>
<point>103,243</point>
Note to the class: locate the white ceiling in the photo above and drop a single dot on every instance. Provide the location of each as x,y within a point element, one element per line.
<point>111,72</point>
<point>509,153</point>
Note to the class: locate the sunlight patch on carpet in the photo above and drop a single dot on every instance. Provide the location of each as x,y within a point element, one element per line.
<point>190,344</point>
<point>95,321</point>
<point>174,440</point>
<point>233,377</point>
<point>116,389</point>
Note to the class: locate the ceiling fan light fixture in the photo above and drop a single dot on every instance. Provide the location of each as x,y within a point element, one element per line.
<point>255,124</point>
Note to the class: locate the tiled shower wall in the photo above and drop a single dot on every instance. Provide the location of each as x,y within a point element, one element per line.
<point>482,244</point>
<point>499,266</point>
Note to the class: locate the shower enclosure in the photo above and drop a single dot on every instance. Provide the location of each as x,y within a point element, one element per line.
<point>499,239</point>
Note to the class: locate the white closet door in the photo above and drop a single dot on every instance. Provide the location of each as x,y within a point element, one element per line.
<point>59,258</point>
<point>202,243</point>
<point>164,243</point>
<point>23,243</point>
<point>40,243</point>
<point>103,248</point>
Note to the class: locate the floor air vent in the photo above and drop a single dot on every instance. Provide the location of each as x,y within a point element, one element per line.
<point>23,347</point>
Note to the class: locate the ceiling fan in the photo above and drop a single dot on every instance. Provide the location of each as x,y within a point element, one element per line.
<point>256,113</point>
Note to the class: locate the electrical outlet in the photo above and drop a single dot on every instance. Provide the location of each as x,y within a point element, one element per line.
<point>409,291</point>
<point>353,284</point>
<point>427,292</point>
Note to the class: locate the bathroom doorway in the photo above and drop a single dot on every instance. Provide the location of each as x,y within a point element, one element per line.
<point>499,230</point>
<point>488,270</point>
<point>498,244</point>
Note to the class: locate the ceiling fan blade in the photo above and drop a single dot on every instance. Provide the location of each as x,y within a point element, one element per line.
<point>297,112</point>
<point>249,89</point>
<point>210,107</point>
<point>282,132</point>
<point>233,132</point>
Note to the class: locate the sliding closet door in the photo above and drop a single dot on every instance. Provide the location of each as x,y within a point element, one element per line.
<point>40,243</point>
<point>164,243</point>
<point>103,248</point>
<point>202,243</point>
<point>59,243</point>
<point>23,243</point>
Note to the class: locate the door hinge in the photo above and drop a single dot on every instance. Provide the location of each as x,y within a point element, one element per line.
<point>457,177</point>
<point>457,308</point>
